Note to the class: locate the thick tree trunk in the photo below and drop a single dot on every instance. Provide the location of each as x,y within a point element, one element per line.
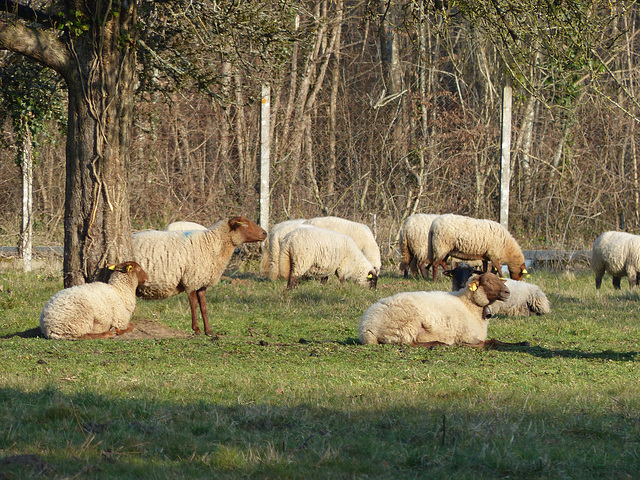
<point>97,223</point>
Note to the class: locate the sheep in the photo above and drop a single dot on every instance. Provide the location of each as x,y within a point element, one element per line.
<point>271,246</point>
<point>360,233</point>
<point>318,251</point>
<point>94,310</point>
<point>472,239</point>
<point>190,261</point>
<point>435,318</point>
<point>414,243</point>
<point>525,298</point>
<point>183,226</point>
<point>617,253</point>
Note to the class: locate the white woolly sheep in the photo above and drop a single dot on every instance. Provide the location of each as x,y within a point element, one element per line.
<point>435,318</point>
<point>617,253</point>
<point>184,226</point>
<point>190,261</point>
<point>414,243</point>
<point>473,239</point>
<point>525,298</point>
<point>318,251</point>
<point>94,310</point>
<point>360,233</point>
<point>271,246</point>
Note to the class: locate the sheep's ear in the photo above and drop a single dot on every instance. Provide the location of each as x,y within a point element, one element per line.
<point>237,224</point>
<point>111,267</point>
<point>129,267</point>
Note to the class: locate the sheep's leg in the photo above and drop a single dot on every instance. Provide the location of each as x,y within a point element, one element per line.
<point>124,330</point>
<point>193,303</point>
<point>633,281</point>
<point>429,344</point>
<point>93,336</point>
<point>202,301</point>
<point>599,276</point>
<point>292,282</point>
<point>616,282</point>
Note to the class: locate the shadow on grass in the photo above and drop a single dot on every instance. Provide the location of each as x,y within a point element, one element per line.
<point>542,352</point>
<point>31,333</point>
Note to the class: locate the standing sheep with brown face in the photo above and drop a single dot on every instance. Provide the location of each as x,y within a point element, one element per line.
<point>94,310</point>
<point>472,239</point>
<point>435,318</point>
<point>190,261</point>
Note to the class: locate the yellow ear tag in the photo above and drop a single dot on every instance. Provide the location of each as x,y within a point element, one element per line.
<point>369,276</point>
<point>473,287</point>
<point>129,267</point>
<point>524,270</point>
<point>111,267</point>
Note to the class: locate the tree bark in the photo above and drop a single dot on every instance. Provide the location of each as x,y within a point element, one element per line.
<point>96,57</point>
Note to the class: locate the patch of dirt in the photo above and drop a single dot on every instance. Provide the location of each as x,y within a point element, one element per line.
<point>146,328</point>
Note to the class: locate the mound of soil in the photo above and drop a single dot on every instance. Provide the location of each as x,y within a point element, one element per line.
<point>146,328</point>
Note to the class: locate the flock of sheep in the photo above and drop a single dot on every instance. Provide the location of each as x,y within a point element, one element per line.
<point>187,257</point>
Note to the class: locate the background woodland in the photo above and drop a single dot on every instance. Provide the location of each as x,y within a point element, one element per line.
<point>379,110</point>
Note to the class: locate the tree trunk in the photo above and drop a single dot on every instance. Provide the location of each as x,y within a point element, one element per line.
<point>100,81</point>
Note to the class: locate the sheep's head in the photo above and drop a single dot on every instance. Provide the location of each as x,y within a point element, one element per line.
<point>133,269</point>
<point>519,272</point>
<point>244,230</point>
<point>372,279</point>
<point>460,275</point>
<point>487,288</point>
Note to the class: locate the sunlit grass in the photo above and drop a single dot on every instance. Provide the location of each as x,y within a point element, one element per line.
<point>285,390</point>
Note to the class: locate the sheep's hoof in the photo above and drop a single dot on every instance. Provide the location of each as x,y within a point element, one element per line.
<point>209,333</point>
<point>197,331</point>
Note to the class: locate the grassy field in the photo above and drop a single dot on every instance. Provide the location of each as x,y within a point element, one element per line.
<point>285,390</point>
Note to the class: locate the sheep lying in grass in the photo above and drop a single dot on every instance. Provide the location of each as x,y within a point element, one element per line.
<point>94,310</point>
<point>472,239</point>
<point>414,243</point>
<point>617,253</point>
<point>190,261</point>
<point>435,318</point>
<point>525,298</point>
<point>318,251</point>
<point>359,232</point>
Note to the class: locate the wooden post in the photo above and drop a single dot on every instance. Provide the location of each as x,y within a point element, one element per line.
<point>265,152</point>
<point>27,201</point>
<point>505,160</point>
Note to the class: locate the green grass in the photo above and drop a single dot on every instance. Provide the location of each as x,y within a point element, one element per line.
<point>285,390</point>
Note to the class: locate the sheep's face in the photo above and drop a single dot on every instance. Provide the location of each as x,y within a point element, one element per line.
<point>460,275</point>
<point>518,273</point>
<point>372,279</point>
<point>244,230</point>
<point>133,269</point>
<point>487,288</point>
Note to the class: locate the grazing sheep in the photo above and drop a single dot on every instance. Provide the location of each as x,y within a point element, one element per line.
<point>183,226</point>
<point>414,243</point>
<point>94,310</point>
<point>190,261</point>
<point>525,298</point>
<point>435,318</point>
<point>472,239</point>
<point>271,247</point>
<point>318,251</point>
<point>617,253</point>
<point>360,233</point>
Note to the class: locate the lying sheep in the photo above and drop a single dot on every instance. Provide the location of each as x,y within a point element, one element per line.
<point>271,247</point>
<point>435,318</point>
<point>359,232</point>
<point>94,310</point>
<point>472,239</point>
<point>318,251</point>
<point>414,243</point>
<point>525,298</point>
<point>190,261</point>
<point>183,226</point>
<point>617,253</point>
